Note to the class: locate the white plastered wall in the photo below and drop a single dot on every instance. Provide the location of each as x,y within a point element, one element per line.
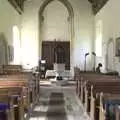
<point>55,24</point>
<point>9,17</point>
<point>83,28</point>
<point>109,15</point>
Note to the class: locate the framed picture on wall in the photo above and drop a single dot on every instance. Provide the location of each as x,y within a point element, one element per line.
<point>117,47</point>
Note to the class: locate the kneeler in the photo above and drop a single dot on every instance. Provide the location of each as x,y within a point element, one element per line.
<point>4,108</point>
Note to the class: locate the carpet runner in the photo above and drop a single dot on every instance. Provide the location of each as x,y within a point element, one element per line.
<point>56,110</point>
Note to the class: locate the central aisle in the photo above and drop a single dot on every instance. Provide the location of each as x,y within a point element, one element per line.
<point>58,103</point>
<point>56,110</point>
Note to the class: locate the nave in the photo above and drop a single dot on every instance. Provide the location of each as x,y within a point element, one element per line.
<point>24,96</point>
<point>58,103</point>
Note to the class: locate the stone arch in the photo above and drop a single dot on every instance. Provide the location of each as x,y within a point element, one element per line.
<point>70,21</point>
<point>110,54</point>
<point>64,2</point>
<point>3,49</point>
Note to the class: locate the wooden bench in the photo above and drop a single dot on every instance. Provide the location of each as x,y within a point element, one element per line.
<point>16,90</point>
<point>92,88</point>
<point>19,84</point>
<point>33,82</point>
<point>6,113</point>
<point>91,98</point>
<point>105,106</point>
<point>91,85</point>
<point>10,69</point>
<point>117,112</point>
<point>82,82</point>
<point>11,102</point>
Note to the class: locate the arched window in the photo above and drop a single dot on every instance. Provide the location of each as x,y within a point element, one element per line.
<point>98,41</point>
<point>59,54</point>
<point>3,49</point>
<point>16,44</point>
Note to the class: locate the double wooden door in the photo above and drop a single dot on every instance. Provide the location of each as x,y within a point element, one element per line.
<point>56,52</point>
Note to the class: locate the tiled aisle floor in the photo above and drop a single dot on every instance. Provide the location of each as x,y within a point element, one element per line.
<point>58,103</point>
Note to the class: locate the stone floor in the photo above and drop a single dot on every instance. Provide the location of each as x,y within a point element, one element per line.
<point>58,103</point>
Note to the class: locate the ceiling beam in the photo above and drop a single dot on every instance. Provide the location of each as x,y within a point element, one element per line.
<point>97,5</point>
<point>18,5</point>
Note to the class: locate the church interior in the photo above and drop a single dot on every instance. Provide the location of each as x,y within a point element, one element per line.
<point>59,60</point>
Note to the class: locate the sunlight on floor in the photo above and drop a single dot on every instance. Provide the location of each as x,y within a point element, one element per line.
<point>40,109</point>
<point>45,82</point>
<point>38,118</point>
<point>72,105</point>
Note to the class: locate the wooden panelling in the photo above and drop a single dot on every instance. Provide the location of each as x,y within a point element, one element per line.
<point>97,5</point>
<point>48,49</point>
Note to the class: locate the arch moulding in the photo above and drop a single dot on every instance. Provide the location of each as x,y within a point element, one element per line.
<point>70,22</point>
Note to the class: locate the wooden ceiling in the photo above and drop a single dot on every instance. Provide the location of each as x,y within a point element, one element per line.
<point>97,5</point>
<point>18,5</point>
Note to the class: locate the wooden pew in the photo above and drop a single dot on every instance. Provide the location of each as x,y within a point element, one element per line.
<point>15,80</point>
<point>81,78</point>
<point>12,98</point>
<point>92,77</point>
<point>112,87</point>
<point>117,112</point>
<point>23,84</point>
<point>11,69</point>
<point>90,92</point>
<point>12,76</point>
<point>86,94</point>
<point>33,82</point>
<point>16,92</point>
<point>5,107</point>
<point>107,104</point>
